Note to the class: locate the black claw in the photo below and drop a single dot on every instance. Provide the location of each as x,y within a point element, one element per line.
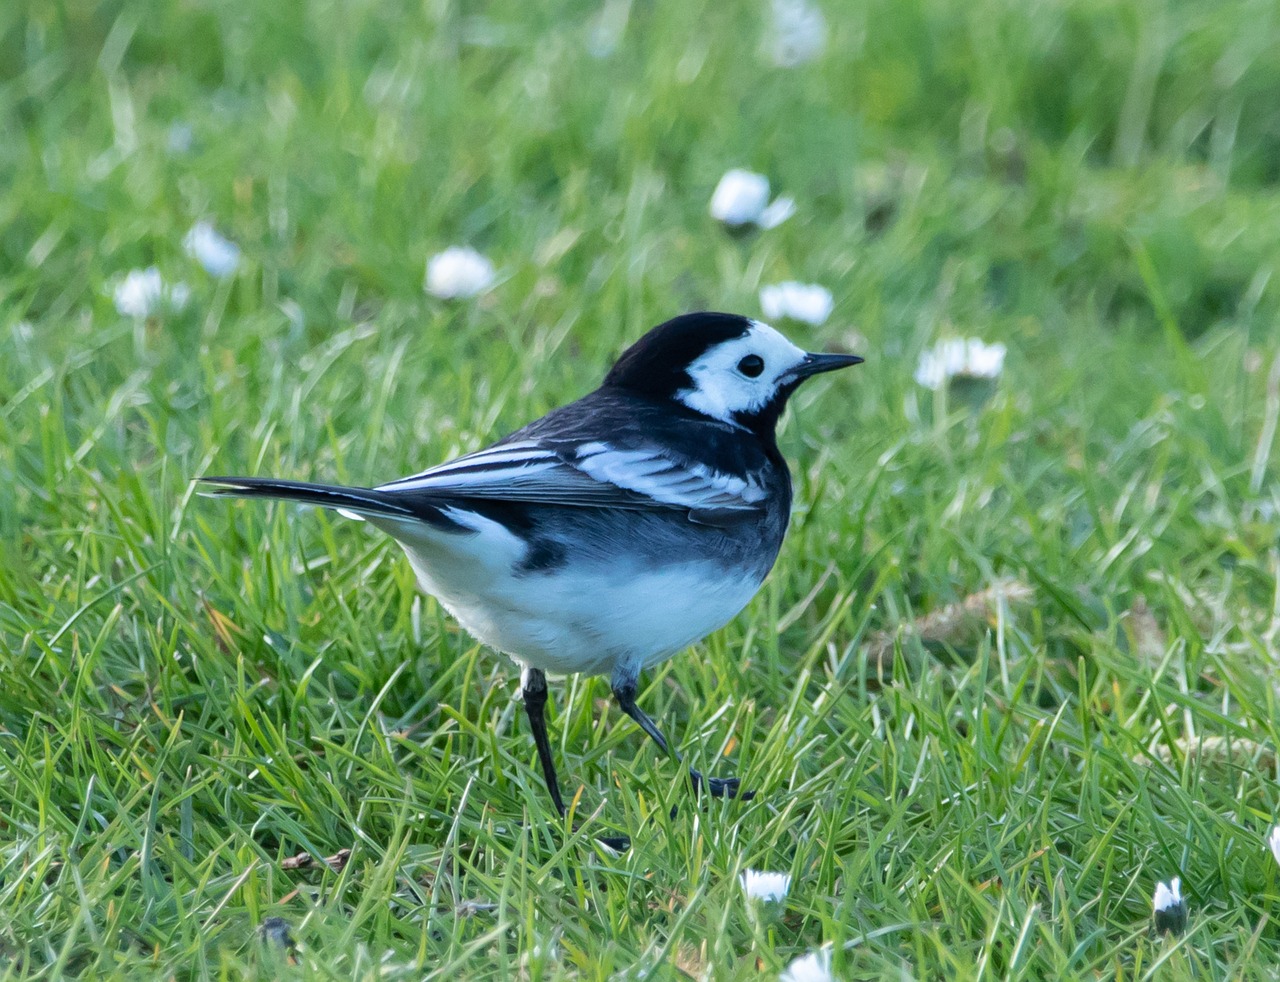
<point>719,787</point>
<point>619,843</point>
<point>625,692</point>
<point>726,787</point>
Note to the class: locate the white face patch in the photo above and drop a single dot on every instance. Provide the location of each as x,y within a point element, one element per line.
<point>721,388</point>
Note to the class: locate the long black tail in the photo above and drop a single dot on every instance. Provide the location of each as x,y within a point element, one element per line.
<point>362,501</point>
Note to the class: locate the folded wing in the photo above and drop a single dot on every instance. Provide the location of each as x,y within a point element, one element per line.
<point>591,475</point>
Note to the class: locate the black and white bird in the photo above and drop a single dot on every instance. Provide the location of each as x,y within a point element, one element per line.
<point>613,532</point>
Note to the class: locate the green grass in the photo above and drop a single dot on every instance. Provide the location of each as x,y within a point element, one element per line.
<point>192,691</point>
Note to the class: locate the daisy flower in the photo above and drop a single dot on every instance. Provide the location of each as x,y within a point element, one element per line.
<point>143,292</point>
<point>796,33</point>
<point>806,302</point>
<point>958,358</point>
<point>813,967</point>
<point>764,885</point>
<point>1170,911</point>
<point>217,254</point>
<point>459,273</point>
<point>742,198</point>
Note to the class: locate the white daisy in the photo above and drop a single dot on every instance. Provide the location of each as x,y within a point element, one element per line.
<point>1273,840</point>
<point>764,885</point>
<point>796,33</point>
<point>778,211</point>
<point>742,198</point>
<point>960,358</point>
<point>806,302</point>
<point>458,273</point>
<point>217,254</point>
<point>143,292</point>
<point>1170,911</point>
<point>813,967</point>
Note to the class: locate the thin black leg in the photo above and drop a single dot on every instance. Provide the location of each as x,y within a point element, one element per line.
<point>625,692</point>
<point>533,689</point>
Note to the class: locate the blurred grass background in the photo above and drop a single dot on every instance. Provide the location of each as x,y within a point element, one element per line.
<point>194,691</point>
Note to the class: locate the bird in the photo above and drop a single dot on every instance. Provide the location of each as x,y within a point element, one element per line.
<point>613,532</point>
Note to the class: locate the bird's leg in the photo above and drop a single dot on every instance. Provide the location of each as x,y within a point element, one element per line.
<point>533,689</point>
<point>624,690</point>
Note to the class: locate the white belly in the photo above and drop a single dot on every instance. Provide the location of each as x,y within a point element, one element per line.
<point>565,621</point>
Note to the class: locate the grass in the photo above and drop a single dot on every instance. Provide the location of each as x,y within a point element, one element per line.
<point>194,691</point>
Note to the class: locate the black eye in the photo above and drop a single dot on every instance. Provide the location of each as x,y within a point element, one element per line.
<point>751,366</point>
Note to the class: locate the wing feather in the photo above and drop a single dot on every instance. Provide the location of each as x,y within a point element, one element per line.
<point>593,474</point>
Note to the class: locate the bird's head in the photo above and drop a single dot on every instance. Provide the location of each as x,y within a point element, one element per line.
<point>724,366</point>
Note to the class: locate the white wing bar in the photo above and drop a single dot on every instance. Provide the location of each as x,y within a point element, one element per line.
<point>590,474</point>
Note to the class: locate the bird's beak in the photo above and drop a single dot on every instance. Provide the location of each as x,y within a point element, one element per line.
<point>815,363</point>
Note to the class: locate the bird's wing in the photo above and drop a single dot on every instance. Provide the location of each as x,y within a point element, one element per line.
<point>593,474</point>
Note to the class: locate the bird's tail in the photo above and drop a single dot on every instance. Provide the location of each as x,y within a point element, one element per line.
<point>356,502</point>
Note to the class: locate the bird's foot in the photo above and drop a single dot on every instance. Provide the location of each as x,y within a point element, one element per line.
<point>719,787</point>
<point>618,843</point>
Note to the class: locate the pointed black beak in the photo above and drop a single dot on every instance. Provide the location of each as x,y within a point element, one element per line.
<point>816,363</point>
